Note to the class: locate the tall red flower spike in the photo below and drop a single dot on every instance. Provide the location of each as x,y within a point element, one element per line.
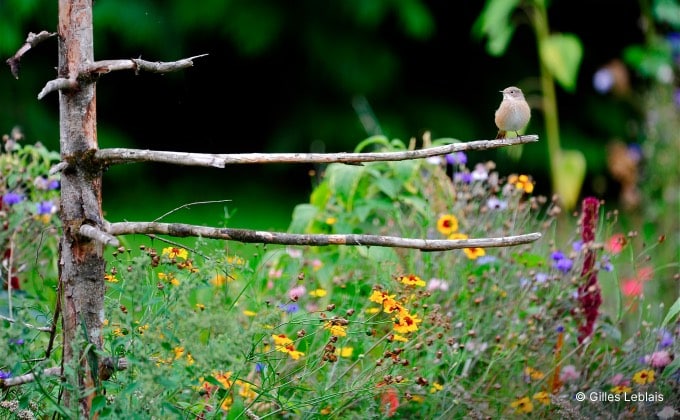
<point>589,293</point>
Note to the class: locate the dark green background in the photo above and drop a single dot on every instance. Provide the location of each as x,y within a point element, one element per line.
<point>281,76</point>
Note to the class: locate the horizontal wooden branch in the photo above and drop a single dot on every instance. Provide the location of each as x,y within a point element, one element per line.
<point>32,40</point>
<point>106,66</point>
<point>137,64</point>
<point>27,325</point>
<point>264,237</point>
<point>120,155</point>
<point>100,236</point>
<point>105,372</point>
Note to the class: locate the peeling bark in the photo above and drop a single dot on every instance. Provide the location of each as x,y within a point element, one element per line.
<point>81,262</point>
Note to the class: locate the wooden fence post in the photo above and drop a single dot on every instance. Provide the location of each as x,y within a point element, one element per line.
<point>81,262</point>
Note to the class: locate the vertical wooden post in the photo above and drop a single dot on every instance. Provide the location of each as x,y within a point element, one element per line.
<point>81,262</point>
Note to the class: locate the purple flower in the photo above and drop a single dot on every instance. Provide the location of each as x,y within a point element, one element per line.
<point>45,207</point>
<point>676,98</point>
<point>290,308</point>
<point>458,158</point>
<point>603,80</point>
<point>259,367</point>
<point>486,259</point>
<point>666,339</point>
<point>12,198</point>
<point>541,278</point>
<point>577,246</point>
<point>462,177</point>
<point>480,173</point>
<point>16,341</point>
<point>495,204</point>
<point>606,265</point>
<point>557,255</point>
<point>564,265</point>
<point>560,328</point>
<point>5,375</point>
<point>53,185</point>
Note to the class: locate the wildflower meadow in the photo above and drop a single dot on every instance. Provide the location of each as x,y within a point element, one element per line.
<point>561,327</point>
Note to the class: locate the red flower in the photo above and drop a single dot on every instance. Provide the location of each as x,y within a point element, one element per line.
<point>389,402</point>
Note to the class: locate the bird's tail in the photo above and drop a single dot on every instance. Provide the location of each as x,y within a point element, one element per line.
<point>501,134</point>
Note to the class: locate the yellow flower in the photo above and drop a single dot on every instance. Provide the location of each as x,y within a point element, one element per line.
<point>397,337</point>
<point>245,391</point>
<point>645,376</point>
<point>447,224</point>
<point>372,311</point>
<point>118,332</point>
<point>236,260</point>
<point>220,280</point>
<point>621,389</point>
<point>456,236</point>
<point>142,328</point>
<point>331,220</point>
<point>174,281</point>
<point>326,411</point>
<point>405,322</point>
<point>345,351</point>
<point>336,330</point>
<point>110,278</point>
<point>521,182</point>
<point>542,397</point>
<point>412,280</point>
<point>533,373</point>
<point>436,387</point>
<point>281,339</point>
<point>249,313</point>
<point>190,359</point>
<point>522,405</point>
<point>200,306</point>
<point>474,253</point>
<point>174,253</point>
<point>318,293</point>
<point>179,351</point>
<point>379,297</point>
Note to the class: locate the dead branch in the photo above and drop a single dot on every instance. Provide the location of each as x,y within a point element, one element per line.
<point>57,84</point>
<point>107,66</point>
<point>137,64</point>
<point>35,327</point>
<point>120,155</point>
<point>105,373</point>
<point>32,40</point>
<point>279,238</point>
<point>100,236</point>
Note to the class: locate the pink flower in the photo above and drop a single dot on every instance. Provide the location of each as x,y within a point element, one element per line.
<point>616,243</point>
<point>437,284</point>
<point>619,380</point>
<point>297,291</point>
<point>659,359</point>
<point>569,374</point>
<point>632,287</point>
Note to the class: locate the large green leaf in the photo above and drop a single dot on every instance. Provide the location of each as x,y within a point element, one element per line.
<point>569,175</point>
<point>562,54</point>
<point>344,182</point>
<point>494,22</point>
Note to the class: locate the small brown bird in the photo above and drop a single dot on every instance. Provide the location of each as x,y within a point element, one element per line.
<point>513,114</point>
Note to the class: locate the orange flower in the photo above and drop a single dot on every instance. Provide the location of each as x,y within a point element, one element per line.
<point>447,224</point>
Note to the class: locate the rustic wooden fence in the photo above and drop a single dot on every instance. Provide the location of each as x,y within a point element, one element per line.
<point>85,232</point>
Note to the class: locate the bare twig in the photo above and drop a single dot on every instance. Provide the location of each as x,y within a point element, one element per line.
<point>57,84</point>
<point>31,41</point>
<point>137,64</point>
<point>106,66</point>
<point>100,236</point>
<point>105,372</point>
<point>263,237</point>
<point>188,205</point>
<point>35,327</point>
<point>120,155</point>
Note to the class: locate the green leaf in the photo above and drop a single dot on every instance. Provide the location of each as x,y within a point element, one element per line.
<point>344,182</point>
<point>321,195</point>
<point>562,54</point>
<point>494,23</point>
<point>569,174</point>
<point>672,313</point>
<point>667,11</point>
<point>98,403</point>
<point>416,18</point>
<point>303,216</point>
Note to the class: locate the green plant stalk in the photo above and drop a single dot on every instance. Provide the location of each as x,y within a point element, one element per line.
<point>539,20</point>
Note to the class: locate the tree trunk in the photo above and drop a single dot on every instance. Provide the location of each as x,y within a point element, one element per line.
<point>81,262</point>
